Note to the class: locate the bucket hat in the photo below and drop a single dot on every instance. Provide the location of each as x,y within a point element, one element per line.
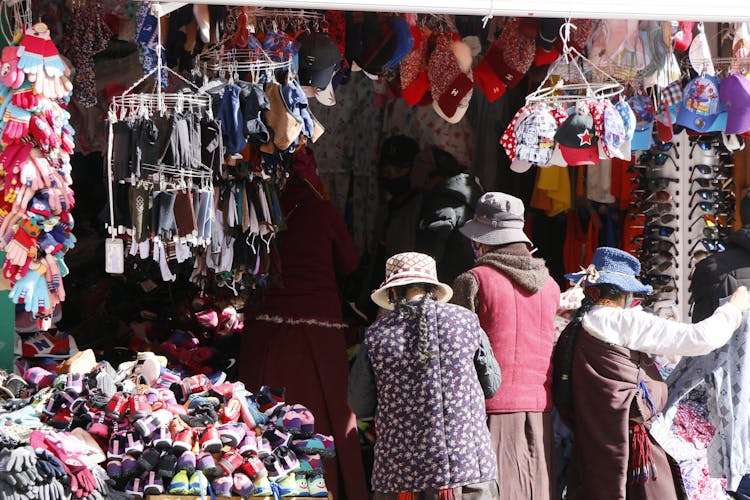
<point>612,266</point>
<point>406,269</point>
<point>498,220</point>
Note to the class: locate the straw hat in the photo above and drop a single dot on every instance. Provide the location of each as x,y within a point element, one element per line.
<point>406,269</point>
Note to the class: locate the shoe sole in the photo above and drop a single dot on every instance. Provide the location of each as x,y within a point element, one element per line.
<point>211,446</point>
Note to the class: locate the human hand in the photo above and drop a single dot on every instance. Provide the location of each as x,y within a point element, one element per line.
<point>741,298</point>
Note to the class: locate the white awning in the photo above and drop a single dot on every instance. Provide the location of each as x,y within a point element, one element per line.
<point>680,10</point>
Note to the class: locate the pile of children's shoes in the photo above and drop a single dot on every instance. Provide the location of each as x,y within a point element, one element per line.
<point>167,435</point>
<point>35,194</point>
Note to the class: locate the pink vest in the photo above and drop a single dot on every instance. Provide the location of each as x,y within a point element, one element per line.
<point>520,327</point>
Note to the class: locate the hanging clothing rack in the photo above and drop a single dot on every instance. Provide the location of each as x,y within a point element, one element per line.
<point>687,10</point>
<point>236,60</point>
<point>562,92</point>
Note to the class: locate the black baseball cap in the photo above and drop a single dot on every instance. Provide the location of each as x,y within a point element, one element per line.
<point>319,57</point>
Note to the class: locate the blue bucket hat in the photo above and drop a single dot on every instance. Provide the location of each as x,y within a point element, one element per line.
<point>615,267</point>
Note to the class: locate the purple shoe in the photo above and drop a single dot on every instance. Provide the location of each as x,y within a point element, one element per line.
<point>186,462</point>
<point>161,438</point>
<point>248,445</point>
<point>153,484</point>
<point>206,464</point>
<point>277,437</point>
<point>114,468</point>
<point>223,486</point>
<point>231,434</point>
<point>130,466</point>
<point>133,444</point>
<point>135,488</point>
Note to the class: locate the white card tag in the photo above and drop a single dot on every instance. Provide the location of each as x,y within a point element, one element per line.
<point>114,256</point>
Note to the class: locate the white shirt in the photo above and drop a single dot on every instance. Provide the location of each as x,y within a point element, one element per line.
<point>641,331</point>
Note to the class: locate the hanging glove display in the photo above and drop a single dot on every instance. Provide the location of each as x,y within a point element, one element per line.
<point>36,228</point>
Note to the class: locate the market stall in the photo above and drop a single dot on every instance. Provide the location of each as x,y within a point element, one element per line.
<point>614,127</point>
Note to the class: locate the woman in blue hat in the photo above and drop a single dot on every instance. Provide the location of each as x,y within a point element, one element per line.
<point>608,389</point>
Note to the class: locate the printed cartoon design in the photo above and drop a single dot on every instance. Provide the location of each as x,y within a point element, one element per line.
<point>702,97</point>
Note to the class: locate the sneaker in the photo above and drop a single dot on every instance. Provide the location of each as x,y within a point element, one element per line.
<point>262,487</point>
<point>231,434</point>
<point>210,440</point>
<point>198,484</point>
<point>277,437</point>
<point>231,411</point>
<point>167,465</point>
<point>223,391</point>
<point>317,486</point>
<point>288,486</point>
<point>267,405</point>
<point>287,458</point>
<point>133,444</point>
<point>223,486</point>
<point>206,464</point>
<point>186,462</point>
<point>161,438</point>
<point>230,461</point>
<point>276,471</point>
<point>117,445</point>
<point>190,385</point>
<point>307,419</point>
<point>243,486</point>
<point>302,488</point>
<point>114,468</point>
<point>149,459</point>
<point>248,445</point>
<point>139,407</point>
<point>312,463</point>
<point>250,412</point>
<point>130,467</point>
<point>183,441</point>
<point>134,489</point>
<point>153,484</point>
<point>264,447</point>
<point>311,446</point>
<point>180,484</point>
<point>74,384</point>
<point>254,467</point>
<point>117,406</point>
<point>145,426</point>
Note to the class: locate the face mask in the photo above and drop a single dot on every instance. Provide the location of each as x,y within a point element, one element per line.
<point>477,250</point>
<point>397,186</point>
<point>628,301</point>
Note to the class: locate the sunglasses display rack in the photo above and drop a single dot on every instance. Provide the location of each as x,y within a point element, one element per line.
<point>710,199</point>
<point>655,209</point>
<point>683,200</point>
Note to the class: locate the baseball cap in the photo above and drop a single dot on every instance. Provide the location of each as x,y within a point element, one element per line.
<point>614,132</point>
<point>319,56</point>
<point>379,47</point>
<point>404,41</point>
<point>735,96</point>
<point>643,110</point>
<point>628,121</point>
<point>702,110</point>
<point>535,137</point>
<point>578,140</point>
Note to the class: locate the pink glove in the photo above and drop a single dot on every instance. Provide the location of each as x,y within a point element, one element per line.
<point>25,98</point>
<point>42,132</point>
<point>17,126</point>
<point>12,76</point>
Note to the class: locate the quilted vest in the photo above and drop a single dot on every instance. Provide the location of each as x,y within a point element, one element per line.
<point>520,325</point>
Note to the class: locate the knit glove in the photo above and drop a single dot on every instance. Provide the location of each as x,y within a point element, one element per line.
<point>25,98</point>
<point>54,279</point>
<point>12,76</point>
<point>25,289</point>
<point>42,132</point>
<point>53,65</point>
<point>48,465</point>
<point>51,490</point>
<point>17,125</point>
<point>23,246</point>
<point>32,50</point>
<point>21,459</point>
<point>82,482</point>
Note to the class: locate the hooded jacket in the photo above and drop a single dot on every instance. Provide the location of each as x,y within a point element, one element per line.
<point>719,275</point>
<point>444,209</point>
<point>516,301</point>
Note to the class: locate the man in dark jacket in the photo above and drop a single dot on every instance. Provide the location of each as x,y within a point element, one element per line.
<point>445,208</point>
<point>719,275</point>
